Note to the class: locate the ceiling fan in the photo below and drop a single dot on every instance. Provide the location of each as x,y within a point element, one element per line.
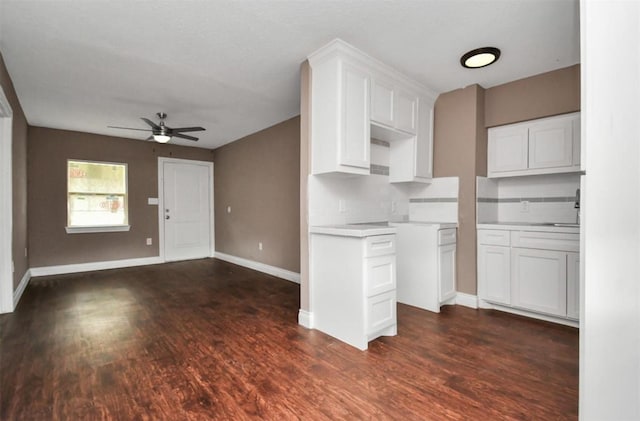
<point>162,133</point>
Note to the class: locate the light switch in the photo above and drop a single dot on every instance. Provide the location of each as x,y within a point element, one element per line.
<point>152,201</point>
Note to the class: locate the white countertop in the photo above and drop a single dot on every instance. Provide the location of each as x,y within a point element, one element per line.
<point>438,225</point>
<point>352,230</point>
<point>527,226</point>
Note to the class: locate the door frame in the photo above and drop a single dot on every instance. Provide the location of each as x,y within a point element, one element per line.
<point>209,165</point>
<point>6,205</point>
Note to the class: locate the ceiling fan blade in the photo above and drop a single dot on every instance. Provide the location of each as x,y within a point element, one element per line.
<point>188,129</point>
<point>150,138</point>
<point>129,128</point>
<point>150,123</point>
<point>184,136</point>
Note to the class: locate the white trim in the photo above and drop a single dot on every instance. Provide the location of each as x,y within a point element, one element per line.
<point>547,318</point>
<point>467,300</point>
<point>305,319</point>
<point>17,294</point>
<point>91,266</point>
<point>104,228</point>
<point>6,205</point>
<point>260,267</point>
<point>212,236</point>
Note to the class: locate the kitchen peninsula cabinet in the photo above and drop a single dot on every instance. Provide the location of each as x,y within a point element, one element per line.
<point>353,282</point>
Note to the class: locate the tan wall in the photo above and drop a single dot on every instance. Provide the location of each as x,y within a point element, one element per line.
<point>19,169</point>
<point>258,177</point>
<point>456,144</point>
<point>543,95</point>
<point>48,152</point>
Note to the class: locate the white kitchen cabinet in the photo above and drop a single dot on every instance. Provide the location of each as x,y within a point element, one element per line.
<point>447,271</point>
<point>494,273</point>
<point>533,270</point>
<point>382,103</point>
<point>573,285</point>
<point>543,146</point>
<point>539,280</point>
<point>340,125</point>
<point>353,285</point>
<point>426,264</point>
<point>392,106</point>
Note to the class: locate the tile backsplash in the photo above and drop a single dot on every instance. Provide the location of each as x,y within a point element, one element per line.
<point>543,198</point>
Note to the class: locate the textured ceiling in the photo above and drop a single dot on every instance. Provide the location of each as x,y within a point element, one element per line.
<point>233,66</point>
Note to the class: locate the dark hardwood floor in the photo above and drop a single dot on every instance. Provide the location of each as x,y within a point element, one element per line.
<point>205,339</point>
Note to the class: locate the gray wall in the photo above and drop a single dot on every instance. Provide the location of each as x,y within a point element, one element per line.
<point>48,151</point>
<point>19,166</point>
<point>258,177</point>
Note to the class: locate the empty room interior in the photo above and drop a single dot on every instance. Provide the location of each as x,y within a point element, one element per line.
<point>318,210</point>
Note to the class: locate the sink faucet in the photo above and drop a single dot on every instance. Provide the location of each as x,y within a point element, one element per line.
<point>577,206</point>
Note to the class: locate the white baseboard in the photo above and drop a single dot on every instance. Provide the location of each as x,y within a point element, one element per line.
<point>17,294</point>
<point>305,319</point>
<point>260,267</point>
<point>533,315</point>
<point>88,267</point>
<point>467,300</point>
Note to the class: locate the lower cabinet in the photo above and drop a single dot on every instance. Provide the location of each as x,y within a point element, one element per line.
<point>494,273</point>
<point>531,271</point>
<point>353,287</point>
<point>539,280</point>
<point>447,271</point>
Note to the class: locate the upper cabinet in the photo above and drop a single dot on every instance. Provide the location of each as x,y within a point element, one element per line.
<point>355,98</point>
<point>340,137</point>
<point>544,146</point>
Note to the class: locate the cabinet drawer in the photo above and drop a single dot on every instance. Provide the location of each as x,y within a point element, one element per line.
<point>380,274</point>
<point>381,311</point>
<point>446,236</point>
<point>494,237</point>
<point>546,240</point>
<point>380,245</point>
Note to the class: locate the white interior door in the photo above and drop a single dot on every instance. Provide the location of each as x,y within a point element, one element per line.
<point>187,209</point>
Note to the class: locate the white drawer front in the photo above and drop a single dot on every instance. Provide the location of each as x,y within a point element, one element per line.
<point>379,245</point>
<point>494,237</point>
<point>380,274</point>
<point>546,240</point>
<point>446,236</point>
<point>381,311</point>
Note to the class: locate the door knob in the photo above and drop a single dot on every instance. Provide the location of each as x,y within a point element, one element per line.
<point>167,217</point>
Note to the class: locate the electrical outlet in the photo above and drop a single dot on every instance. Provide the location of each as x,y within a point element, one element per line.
<point>260,246</point>
<point>25,252</point>
<point>394,206</point>
<point>149,241</point>
<point>524,206</point>
<point>228,209</point>
<point>342,206</point>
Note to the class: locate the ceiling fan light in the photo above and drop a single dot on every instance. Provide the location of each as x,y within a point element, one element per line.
<point>161,138</point>
<point>480,57</point>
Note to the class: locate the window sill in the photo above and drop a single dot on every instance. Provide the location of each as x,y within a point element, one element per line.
<point>89,229</point>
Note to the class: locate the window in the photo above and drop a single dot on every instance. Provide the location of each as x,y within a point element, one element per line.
<point>96,196</point>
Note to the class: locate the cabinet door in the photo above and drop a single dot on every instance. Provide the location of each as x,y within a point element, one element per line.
<point>354,131</point>
<point>577,141</point>
<point>551,143</point>
<point>380,274</point>
<point>494,274</point>
<point>539,280</point>
<point>573,285</point>
<point>447,271</point>
<point>424,141</point>
<point>382,102</point>
<point>508,149</point>
<point>405,109</point>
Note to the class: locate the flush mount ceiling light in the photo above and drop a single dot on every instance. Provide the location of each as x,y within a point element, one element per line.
<point>480,57</point>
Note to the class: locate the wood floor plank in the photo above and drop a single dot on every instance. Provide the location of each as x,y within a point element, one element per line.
<point>205,339</point>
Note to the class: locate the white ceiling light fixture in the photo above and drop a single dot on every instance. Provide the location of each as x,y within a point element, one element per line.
<point>161,138</point>
<point>480,57</point>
